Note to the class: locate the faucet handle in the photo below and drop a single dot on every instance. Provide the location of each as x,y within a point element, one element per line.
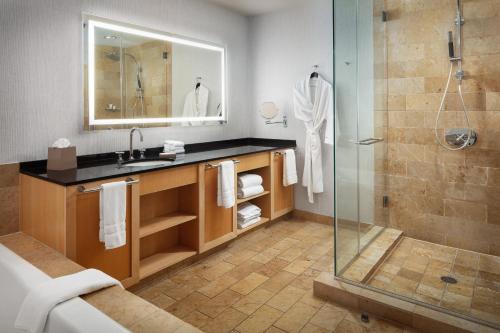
<point>120,156</point>
<point>142,151</point>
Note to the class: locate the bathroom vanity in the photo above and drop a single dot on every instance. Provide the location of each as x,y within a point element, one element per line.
<point>172,211</point>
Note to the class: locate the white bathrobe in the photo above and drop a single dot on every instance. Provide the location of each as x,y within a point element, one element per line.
<point>313,104</point>
<point>196,103</point>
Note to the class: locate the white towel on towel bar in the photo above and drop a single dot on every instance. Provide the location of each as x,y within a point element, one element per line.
<point>289,168</point>
<point>42,298</point>
<point>247,192</point>
<point>225,185</point>
<point>248,179</point>
<point>112,213</point>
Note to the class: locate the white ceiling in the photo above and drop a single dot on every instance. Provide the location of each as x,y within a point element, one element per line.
<point>256,7</point>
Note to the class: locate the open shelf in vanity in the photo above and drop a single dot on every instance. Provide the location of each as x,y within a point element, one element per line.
<point>168,228</point>
<point>262,200</point>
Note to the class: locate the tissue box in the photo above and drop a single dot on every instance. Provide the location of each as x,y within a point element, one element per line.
<point>61,158</point>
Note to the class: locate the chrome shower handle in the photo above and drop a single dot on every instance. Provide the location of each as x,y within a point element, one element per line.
<point>369,141</point>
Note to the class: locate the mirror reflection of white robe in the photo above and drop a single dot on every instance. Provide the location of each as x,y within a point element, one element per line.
<point>313,108</point>
<point>196,103</point>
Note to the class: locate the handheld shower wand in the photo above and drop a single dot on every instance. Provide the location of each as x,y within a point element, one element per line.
<point>456,138</point>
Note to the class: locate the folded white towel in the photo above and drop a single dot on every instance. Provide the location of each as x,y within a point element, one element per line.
<point>248,223</point>
<point>247,209</point>
<point>225,185</point>
<point>246,192</point>
<point>247,180</point>
<point>112,213</point>
<point>174,143</point>
<point>42,298</point>
<point>289,168</point>
<point>244,219</point>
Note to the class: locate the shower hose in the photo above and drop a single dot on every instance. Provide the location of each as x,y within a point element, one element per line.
<point>466,115</point>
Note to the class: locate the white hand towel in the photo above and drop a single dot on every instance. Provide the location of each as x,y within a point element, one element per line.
<point>113,211</point>
<point>248,180</point>
<point>247,192</point>
<point>44,297</point>
<point>225,185</point>
<point>289,168</point>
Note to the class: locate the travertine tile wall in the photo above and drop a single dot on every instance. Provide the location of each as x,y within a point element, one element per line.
<point>451,198</point>
<point>156,79</point>
<point>9,198</point>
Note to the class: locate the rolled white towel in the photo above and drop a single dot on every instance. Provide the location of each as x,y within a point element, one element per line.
<point>246,192</point>
<point>247,180</point>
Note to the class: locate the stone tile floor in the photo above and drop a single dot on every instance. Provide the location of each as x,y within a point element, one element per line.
<point>415,267</point>
<point>262,282</point>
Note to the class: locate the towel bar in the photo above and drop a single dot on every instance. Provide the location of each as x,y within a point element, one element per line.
<point>280,153</point>
<point>82,189</point>
<point>213,166</point>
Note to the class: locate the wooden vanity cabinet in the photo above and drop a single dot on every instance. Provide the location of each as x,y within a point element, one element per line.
<point>283,200</point>
<point>68,221</point>
<point>172,215</point>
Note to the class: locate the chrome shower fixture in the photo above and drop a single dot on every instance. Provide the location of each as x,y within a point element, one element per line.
<point>456,138</point>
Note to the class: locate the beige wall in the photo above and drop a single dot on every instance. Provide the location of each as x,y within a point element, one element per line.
<point>451,198</point>
<point>9,198</point>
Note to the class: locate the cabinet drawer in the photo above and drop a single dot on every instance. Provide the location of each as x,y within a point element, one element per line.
<point>166,179</point>
<point>251,162</point>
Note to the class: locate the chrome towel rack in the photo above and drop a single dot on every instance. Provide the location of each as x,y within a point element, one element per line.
<point>82,189</point>
<point>281,153</point>
<point>214,166</point>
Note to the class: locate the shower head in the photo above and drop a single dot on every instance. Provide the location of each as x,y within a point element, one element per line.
<point>114,56</point>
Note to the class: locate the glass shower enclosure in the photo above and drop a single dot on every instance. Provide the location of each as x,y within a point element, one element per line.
<point>361,131</point>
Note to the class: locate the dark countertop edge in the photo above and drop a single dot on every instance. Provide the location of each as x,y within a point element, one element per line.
<point>273,144</point>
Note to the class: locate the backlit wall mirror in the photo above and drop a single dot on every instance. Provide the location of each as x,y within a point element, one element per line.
<point>137,76</point>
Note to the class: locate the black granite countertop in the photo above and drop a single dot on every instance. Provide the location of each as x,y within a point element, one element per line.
<point>104,166</point>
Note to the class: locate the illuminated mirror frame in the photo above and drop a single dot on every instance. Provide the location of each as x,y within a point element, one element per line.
<point>95,22</point>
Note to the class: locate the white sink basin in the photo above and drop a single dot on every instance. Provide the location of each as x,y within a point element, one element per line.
<point>146,164</point>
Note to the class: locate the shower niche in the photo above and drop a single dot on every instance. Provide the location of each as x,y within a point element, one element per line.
<point>137,76</point>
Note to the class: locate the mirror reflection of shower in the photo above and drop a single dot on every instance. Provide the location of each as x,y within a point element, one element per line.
<point>456,138</point>
<point>138,102</point>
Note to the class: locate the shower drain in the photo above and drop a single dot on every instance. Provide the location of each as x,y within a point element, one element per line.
<point>449,279</point>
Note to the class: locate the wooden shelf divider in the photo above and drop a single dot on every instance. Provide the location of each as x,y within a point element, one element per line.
<point>255,225</point>
<point>239,201</point>
<point>162,260</point>
<point>161,223</point>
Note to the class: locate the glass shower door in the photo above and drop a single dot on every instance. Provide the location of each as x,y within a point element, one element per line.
<point>361,130</point>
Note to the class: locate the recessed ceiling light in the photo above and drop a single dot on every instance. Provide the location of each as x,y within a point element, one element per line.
<point>110,37</point>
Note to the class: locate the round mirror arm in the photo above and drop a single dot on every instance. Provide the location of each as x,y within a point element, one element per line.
<point>284,122</point>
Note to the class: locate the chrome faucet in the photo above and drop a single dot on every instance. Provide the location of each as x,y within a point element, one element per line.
<point>131,158</point>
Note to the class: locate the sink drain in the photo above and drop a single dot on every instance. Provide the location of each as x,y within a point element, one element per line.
<point>449,279</point>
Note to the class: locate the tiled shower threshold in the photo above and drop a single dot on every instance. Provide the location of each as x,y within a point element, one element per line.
<point>363,290</point>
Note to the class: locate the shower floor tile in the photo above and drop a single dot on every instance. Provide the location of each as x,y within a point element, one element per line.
<point>414,269</point>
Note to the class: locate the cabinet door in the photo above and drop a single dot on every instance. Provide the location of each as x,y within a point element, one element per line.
<point>218,224</point>
<point>83,235</point>
<point>282,196</point>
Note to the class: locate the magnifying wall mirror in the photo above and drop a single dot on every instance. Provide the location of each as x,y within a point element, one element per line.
<point>137,76</point>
